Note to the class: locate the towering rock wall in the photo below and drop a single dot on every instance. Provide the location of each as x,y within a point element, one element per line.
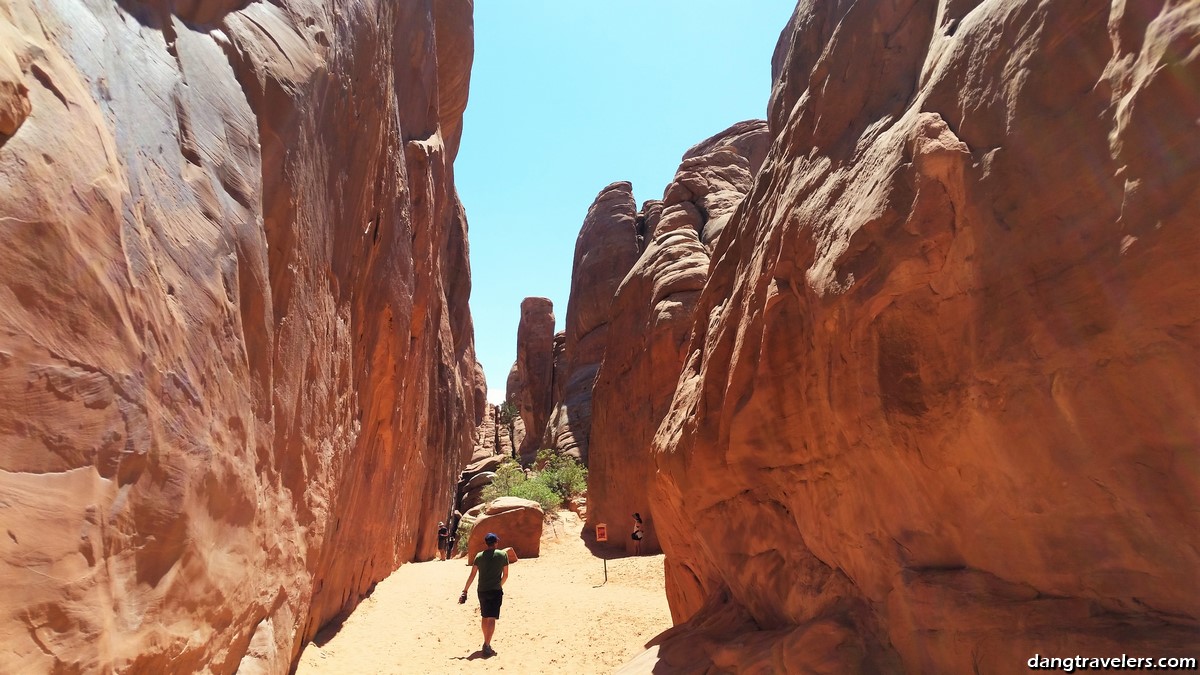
<point>605,251</point>
<point>234,333</point>
<point>938,410</point>
<point>652,319</point>
<point>487,434</point>
<point>531,380</point>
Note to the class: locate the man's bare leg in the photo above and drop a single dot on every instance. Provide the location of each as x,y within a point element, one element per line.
<point>489,628</point>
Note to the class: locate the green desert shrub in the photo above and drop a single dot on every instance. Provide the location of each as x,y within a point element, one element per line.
<point>558,479</point>
<point>539,492</point>
<point>509,412</point>
<point>563,474</point>
<point>464,535</point>
<point>508,476</point>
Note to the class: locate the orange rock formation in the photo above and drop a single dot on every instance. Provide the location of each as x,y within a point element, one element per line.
<point>517,522</point>
<point>531,380</point>
<point>605,250</point>
<point>938,408</point>
<point>651,322</point>
<point>237,377</point>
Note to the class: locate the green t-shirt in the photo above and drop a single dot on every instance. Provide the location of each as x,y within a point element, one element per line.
<point>491,563</point>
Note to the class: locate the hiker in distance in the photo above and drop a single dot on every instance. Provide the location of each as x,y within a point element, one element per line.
<point>639,533</point>
<point>492,566</point>
<point>443,535</point>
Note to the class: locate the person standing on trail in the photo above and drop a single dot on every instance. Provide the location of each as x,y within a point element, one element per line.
<point>443,535</point>
<point>638,534</point>
<point>492,566</point>
<point>452,533</point>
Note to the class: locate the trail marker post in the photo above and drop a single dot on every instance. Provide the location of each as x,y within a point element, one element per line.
<point>602,536</point>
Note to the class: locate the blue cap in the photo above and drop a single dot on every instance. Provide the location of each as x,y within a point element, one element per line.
<point>491,538</point>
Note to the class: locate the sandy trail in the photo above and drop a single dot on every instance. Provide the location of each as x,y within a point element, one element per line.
<point>554,619</point>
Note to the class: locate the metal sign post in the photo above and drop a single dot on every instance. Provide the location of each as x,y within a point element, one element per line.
<point>602,536</point>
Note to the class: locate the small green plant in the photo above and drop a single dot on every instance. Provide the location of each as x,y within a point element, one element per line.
<point>509,412</point>
<point>464,535</point>
<point>559,479</point>
<point>561,473</point>
<point>508,476</point>
<point>511,481</point>
<point>536,491</point>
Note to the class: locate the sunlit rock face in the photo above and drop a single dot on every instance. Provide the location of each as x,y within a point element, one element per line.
<point>532,376</point>
<point>487,434</point>
<point>237,377</point>
<point>713,179</point>
<point>938,408</point>
<point>651,320</point>
<point>605,251</point>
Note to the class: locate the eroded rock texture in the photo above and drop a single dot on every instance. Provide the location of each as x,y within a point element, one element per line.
<point>236,361</point>
<point>651,322</point>
<point>486,435</point>
<point>531,380</point>
<point>938,411</point>
<point>712,180</point>
<point>605,250</point>
<point>516,522</point>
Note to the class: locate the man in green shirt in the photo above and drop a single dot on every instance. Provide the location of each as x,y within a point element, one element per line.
<point>492,566</point>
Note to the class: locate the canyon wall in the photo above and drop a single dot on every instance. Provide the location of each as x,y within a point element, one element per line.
<point>938,407</point>
<point>531,380</point>
<point>605,250</point>
<point>235,343</point>
<point>651,321</point>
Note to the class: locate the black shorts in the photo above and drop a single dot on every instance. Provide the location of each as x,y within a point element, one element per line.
<point>489,603</point>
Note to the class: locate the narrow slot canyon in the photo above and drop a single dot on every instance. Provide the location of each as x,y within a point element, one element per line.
<point>892,364</point>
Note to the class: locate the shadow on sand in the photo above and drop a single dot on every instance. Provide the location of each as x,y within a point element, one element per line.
<point>474,656</point>
<point>612,549</point>
<point>608,550</point>
<point>331,629</point>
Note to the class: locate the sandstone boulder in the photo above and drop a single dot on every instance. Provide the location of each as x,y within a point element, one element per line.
<point>578,506</point>
<point>472,496</point>
<point>479,480</point>
<point>486,465</point>
<point>474,480</point>
<point>517,522</point>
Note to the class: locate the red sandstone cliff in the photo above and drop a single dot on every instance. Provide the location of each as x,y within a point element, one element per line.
<point>938,408</point>
<point>651,321</point>
<point>605,250</point>
<point>237,377</point>
<point>531,380</point>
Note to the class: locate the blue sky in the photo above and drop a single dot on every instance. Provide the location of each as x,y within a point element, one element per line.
<point>567,97</point>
